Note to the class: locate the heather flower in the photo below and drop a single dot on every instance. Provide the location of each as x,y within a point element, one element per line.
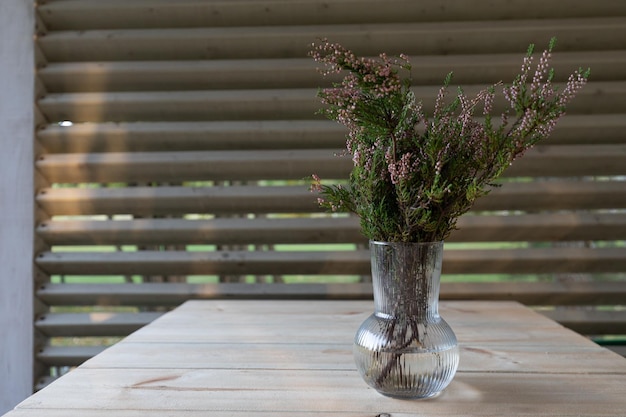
<point>316,183</point>
<point>415,173</point>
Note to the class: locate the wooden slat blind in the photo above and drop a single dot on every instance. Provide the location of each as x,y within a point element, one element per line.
<point>175,137</point>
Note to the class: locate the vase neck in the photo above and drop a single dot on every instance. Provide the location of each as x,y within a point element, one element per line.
<point>406,278</point>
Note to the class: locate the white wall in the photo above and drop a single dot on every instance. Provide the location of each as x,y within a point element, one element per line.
<point>16,201</point>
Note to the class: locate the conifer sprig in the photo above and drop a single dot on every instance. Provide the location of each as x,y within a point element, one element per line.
<point>416,172</point>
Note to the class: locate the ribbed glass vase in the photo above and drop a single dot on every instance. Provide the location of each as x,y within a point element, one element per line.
<point>405,349</point>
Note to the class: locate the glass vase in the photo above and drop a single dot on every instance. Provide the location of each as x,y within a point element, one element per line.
<point>405,349</point>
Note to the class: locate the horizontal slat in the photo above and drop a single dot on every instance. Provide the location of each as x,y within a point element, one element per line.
<point>171,294</point>
<point>199,263</point>
<point>90,14</point>
<point>178,200</point>
<point>281,104</point>
<point>271,134</point>
<point>608,33</point>
<point>150,201</point>
<point>512,261</point>
<point>216,231</point>
<point>555,195</point>
<point>590,129</point>
<point>563,387</point>
<point>267,104</point>
<point>182,75</point>
<point>67,355</point>
<point>202,166</point>
<point>539,293</point>
<point>555,227</point>
<point>542,161</point>
<point>572,161</point>
<point>185,136</point>
<point>241,231</point>
<point>92,324</point>
<point>300,72</point>
<point>591,322</point>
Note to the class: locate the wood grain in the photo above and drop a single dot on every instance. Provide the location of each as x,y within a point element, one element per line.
<point>237,357</point>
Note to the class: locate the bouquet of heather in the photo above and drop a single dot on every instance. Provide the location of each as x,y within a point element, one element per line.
<point>416,171</point>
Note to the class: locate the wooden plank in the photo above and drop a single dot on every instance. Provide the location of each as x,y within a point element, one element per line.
<point>547,260</point>
<point>462,312</point>
<point>170,200</point>
<point>572,161</point>
<point>529,329</point>
<point>543,161</point>
<point>523,357</point>
<point>240,231</point>
<point>269,134</point>
<point>256,104</point>
<point>165,200</point>
<point>181,75</point>
<point>513,261</point>
<point>300,72</point>
<point>598,97</point>
<point>517,352</point>
<point>196,136</point>
<point>186,166</point>
<point>79,15</point>
<point>563,194</point>
<point>588,129</point>
<point>326,392</point>
<point>468,318</point>
<point>287,41</point>
<point>173,294</point>
<point>177,263</point>
<point>539,293</point>
<point>555,227</point>
<point>215,231</point>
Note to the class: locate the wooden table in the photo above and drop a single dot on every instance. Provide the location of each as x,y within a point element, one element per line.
<point>293,358</point>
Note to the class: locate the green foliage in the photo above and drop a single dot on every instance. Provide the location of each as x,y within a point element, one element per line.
<point>415,172</point>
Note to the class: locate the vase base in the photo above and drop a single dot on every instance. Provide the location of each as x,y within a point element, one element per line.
<point>411,397</point>
<point>410,375</point>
